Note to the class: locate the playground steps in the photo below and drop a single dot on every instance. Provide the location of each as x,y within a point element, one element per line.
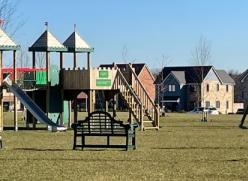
<point>137,99</point>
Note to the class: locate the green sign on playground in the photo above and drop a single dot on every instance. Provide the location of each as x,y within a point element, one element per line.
<point>103,82</point>
<point>41,77</point>
<point>103,74</point>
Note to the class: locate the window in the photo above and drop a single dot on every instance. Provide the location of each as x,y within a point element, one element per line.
<point>227,105</point>
<point>217,87</point>
<point>207,87</point>
<point>217,104</point>
<point>207,104</point>
<point>227,88</point>
<point>172,88</point>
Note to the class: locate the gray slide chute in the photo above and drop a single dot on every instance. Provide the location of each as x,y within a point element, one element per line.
<point>34,109</point>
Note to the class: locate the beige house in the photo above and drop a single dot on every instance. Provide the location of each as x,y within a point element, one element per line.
<point>184,88</point>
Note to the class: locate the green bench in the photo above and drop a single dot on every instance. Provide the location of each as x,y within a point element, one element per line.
<point>102,124</point>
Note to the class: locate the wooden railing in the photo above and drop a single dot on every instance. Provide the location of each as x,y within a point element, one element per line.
<point>137,99</point>
<point>151,110</point>
<point>128,94</point>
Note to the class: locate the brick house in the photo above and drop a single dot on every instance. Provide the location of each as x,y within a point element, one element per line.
<point>144,75</point>
<point>241,88</point>
<point>184,88</point>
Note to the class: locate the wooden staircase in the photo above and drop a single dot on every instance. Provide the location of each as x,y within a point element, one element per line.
<point>139,102</point>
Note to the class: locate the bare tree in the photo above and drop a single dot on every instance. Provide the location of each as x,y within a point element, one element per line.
<point>165,61</point>
<point>201,56</point>
<point>11,20</point>
<point>40,59</point>
<point>124,54</point>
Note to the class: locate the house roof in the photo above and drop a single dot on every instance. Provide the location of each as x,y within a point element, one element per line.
<point>193,74</point>
<point>180,76</point>
<point>47,42</point>
<point>225,78</point>
<point>74,43</point>
<point>243,76</point>
<point>6,43</point>
<point>137,66</point>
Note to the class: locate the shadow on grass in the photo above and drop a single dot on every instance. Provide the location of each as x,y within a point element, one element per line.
<point>23,128</point>
<point>200,148</point>
<point>204,127</point>
<point>38,149</point>
<point>51,149</point>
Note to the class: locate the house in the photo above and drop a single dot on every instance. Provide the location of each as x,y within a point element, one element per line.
<point>187,87</point>
<point>241,88</point>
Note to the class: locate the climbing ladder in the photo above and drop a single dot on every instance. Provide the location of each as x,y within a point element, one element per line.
<point>139,102</point>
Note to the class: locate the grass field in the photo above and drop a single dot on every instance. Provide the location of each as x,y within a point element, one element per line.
<point>183,149</point>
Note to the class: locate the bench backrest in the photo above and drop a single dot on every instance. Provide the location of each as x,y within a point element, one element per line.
<point>100,122</point>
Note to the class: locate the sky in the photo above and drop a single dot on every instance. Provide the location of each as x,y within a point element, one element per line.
<point>157,32</point>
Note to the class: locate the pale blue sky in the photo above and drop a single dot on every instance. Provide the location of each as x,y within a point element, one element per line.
<point>148,29</point>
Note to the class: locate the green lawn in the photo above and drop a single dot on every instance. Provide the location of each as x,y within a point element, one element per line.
<point>183,149</point>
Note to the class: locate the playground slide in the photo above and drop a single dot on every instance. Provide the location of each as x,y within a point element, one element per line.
<point>31,105</point>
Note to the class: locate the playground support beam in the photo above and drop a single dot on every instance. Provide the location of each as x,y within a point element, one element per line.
<point>91,101</point>
<point>88,61</point>
<point>75,99</point>
<point>61,58</point>
<point>74,60</point>
<point>48,82</point>
<point>15,99</point>
<point>33,93</point>
<point>61,65</point>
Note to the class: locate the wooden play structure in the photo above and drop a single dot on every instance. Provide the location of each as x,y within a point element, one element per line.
<point>7,45</point>
<point>54,87</point>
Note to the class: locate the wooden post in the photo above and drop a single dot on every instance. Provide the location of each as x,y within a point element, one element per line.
<point>1,93</point>
<point>114,105</point>
<point>15,99</point>
<point>33,92</point>
<point>157,116</point>
<point>48,84</point>
<point>69,121</point>
<point>62,92</point>
<point>91,101</point>
<point>106,105</point>
<point>74,60</point>
<point>61,63</point>
<point>88,60</point>
<point>75,109</point>
<point>141,118</point>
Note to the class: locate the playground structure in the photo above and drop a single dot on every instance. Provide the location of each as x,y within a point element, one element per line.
<point>47,95</point>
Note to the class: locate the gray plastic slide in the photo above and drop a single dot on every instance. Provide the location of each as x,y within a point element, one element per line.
<point>30,104</point>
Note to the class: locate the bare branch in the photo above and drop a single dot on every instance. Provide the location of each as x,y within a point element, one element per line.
<point>201,54</point>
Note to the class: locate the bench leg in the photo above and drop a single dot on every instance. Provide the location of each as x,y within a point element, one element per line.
<point>134,142</point>
<point>1,144</point>
<point>83,141</point>
<point>108,140</point>
<point>127,141</point>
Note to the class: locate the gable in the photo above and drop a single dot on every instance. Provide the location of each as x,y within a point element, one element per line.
<point>146,71</point>
<point>212,76</point>
<point>170,80</point>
